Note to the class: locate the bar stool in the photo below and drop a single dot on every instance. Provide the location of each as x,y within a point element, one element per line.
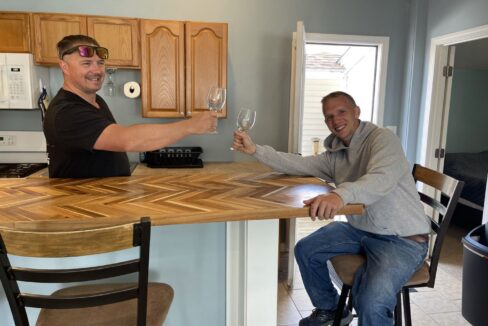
<point>140,303</point>
<point>346,266</point>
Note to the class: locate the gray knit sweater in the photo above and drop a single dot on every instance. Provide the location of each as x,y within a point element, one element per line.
<point>373,170</point>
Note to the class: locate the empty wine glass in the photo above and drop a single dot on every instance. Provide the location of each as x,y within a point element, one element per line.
<point>216,99</point>
<point>245,120</point>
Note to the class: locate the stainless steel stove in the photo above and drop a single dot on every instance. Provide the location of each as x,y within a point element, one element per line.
<point>21,153</point>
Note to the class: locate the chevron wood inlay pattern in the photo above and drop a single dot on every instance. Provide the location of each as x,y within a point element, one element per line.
<point>167,196</point>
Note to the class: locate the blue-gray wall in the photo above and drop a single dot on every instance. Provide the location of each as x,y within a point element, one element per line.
<point>468,112</point>
<point>449,16</point>
<point>259,55</point>
<point>413,72</point>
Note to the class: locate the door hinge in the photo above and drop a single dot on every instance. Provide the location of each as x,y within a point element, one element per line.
<point>439,153</point>
<point>447,71</point>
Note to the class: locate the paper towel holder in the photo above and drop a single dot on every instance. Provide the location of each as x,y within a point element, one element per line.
<point>132,89</point>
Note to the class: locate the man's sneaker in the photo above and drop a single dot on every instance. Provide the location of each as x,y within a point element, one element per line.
<point>321,317</point>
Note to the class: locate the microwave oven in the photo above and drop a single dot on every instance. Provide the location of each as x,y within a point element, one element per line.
<point>20,81</point>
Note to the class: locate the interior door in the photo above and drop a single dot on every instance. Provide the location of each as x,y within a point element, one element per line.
<point>448,75</point>
<point>296,109</point>
<point>436,140</point>
<point>440,111</point>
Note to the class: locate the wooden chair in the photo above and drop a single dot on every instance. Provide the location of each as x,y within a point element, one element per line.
<point>137,303</point>
<point>346,266</point>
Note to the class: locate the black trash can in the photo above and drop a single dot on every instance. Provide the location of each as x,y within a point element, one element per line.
<point>475,276</point>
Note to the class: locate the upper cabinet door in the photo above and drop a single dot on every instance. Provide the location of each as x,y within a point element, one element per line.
<point>120,36</point>
<point>162,68</point>
<point>15,32</point>
<point>49,29</point>
<point>206,63</point>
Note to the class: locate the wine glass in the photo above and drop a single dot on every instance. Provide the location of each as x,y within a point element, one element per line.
<point>245,120</point>
<point>216,100</point>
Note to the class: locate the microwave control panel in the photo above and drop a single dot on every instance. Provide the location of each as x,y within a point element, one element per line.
<point>17,83</point>
<point>7,140</point>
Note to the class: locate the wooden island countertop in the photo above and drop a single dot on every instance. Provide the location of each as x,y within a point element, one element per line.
<point>216,193</point>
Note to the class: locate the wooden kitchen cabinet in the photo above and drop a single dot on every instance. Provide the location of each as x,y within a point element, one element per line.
<point>120,36</point>
<point>49,29</point>
<point>206,63</point>
<point>162,68</point>
<point>15,32</point>
<point>180,62</point>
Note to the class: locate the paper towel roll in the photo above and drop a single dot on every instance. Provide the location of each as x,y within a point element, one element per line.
<point>132,89</point>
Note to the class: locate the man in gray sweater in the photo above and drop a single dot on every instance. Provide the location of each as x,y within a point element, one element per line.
<point>368,166</point>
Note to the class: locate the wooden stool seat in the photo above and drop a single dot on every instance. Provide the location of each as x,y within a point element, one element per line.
<point>122,313</point>
<point>346,266</point>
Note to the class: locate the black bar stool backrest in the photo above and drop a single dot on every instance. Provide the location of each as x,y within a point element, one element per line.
<point>450,190</point>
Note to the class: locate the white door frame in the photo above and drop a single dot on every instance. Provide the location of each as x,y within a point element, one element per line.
<point>431,135</point>
<point>298,56</point>
<point>296,87</point>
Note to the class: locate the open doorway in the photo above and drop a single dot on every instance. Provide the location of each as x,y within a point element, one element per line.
<point>329,67</point>
<point>455,115</point>
<point>351,62</point>
<point>343,62</point>
<point>438,94</point>
<point>466,155</point>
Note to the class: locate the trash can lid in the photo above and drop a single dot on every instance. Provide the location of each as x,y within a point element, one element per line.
<point>477,240</point>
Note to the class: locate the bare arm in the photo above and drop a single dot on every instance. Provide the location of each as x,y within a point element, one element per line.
<point>147,137</point>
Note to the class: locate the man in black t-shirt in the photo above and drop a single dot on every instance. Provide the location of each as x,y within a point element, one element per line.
<point>83,138</point>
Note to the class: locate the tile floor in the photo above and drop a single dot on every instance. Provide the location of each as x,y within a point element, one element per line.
<point>432,307</point>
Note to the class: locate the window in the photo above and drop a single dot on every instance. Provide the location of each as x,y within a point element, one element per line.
<point>354,64</point>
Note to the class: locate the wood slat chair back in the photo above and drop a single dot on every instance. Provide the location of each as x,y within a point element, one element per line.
<point>69,243</point>
<point>345,266</point>
<point>73,244</point>
<point>450,190</point>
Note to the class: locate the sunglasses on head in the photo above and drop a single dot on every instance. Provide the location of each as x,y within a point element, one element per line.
<point>87,51</point>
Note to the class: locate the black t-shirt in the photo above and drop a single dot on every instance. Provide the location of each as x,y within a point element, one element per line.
<point>72,126</point>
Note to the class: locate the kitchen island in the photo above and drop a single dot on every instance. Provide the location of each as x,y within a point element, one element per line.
<point>219,192</point>
<point>248,197</point>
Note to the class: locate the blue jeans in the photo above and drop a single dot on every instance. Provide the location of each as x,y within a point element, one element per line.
<point>391,261</point>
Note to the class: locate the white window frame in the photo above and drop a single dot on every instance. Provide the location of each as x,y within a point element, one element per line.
<point>382,43</point>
